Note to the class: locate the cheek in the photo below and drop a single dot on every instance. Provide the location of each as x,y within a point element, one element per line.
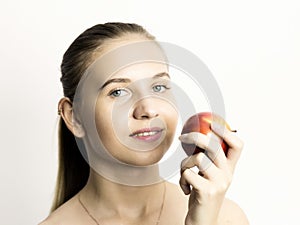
<point>111,123</point>
<point>171,119</point>
<point>103,121</point>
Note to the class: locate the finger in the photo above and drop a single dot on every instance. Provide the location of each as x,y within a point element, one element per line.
<point>204,164</point>
<point>235,144</point>
<point>185,186</point>
<point>189,177</point>
<point>210,143</point>
<point>215,151</point>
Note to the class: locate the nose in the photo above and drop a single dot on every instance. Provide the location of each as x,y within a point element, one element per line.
<point>145,109</point>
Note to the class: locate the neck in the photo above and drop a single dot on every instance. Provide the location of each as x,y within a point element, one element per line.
<point>123,200</point>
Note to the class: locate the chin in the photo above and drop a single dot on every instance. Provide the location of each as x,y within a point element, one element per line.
<point>144,158</point>
<point>151,157</point>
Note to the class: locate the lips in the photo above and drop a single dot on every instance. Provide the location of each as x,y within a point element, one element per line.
<point>147,134</point>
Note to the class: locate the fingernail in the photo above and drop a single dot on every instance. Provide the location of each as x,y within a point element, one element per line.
<point>182,137</point>
<point>218,128</point>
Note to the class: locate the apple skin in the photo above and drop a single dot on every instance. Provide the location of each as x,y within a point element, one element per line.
<point>201,122</point>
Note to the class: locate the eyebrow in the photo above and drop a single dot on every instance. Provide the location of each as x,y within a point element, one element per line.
<point>115,80</point>
<point>126,80</point>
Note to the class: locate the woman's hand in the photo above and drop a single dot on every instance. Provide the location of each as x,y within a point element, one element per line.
<point>215,174</point>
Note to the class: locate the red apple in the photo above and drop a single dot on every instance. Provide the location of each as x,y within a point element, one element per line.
<point>201,122</point>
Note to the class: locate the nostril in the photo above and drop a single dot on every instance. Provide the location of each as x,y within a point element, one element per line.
<point>145,109</point>
<point>145,115</point>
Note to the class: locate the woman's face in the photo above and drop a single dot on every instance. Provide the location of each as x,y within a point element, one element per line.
<point>135,113</point>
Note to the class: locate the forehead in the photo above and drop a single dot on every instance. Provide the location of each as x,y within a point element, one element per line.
<point>138,59</point>
<point>141,70</point>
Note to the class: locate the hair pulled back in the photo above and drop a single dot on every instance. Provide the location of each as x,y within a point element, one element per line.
<point>73,170</point>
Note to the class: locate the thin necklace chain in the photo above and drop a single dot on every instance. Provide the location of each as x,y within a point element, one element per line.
<point>158,218</point>
<point>87,211</point>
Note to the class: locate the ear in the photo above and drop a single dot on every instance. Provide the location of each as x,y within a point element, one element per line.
<point>65,110</point>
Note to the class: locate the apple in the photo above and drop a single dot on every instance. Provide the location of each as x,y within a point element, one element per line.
<point>201,122</point>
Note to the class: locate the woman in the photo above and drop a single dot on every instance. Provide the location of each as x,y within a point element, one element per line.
<point>135,119</point>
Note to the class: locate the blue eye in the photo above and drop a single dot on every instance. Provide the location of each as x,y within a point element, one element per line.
<point>159,88</point>
<point>118,93</point>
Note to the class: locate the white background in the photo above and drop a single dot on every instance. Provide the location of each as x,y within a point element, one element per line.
<point>251,47</point>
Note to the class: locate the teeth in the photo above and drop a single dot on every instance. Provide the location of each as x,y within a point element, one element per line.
<point>146,134</point>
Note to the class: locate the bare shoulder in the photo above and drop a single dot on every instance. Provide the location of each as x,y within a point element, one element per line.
<point>67,214</point>
<point>232,214</point>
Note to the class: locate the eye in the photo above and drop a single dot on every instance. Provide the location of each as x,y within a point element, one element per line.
<point>118,93</point>
<point>159,88</point>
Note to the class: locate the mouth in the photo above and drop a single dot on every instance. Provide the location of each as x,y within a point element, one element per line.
<point>147,134</point>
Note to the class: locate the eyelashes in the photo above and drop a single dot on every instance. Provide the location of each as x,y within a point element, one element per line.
<point>118,92</point>
<point>121,92</point>
<point>160,88</point>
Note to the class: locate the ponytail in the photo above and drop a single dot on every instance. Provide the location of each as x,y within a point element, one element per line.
<point>73,170</point>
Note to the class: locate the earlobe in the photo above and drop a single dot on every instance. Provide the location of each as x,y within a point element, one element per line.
<point>78,130</point>
<point>65,110</point>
